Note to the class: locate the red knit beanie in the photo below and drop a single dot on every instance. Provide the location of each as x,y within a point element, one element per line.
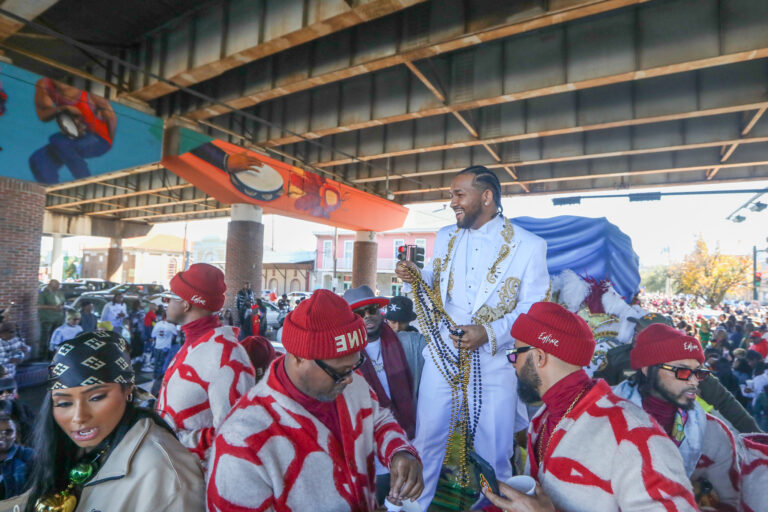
<point>201,285</point>
<point>323,327</point>
<point>556,331</point>
<point>660,343</point>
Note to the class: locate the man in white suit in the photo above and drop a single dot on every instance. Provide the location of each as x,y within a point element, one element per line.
<point>486,271</point>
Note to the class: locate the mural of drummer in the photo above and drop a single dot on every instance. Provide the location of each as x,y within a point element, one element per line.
<point>86,123</point>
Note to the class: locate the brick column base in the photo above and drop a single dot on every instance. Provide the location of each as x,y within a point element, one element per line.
<point>245,253</point>
<point>21,226</point>
<point>364,259</point>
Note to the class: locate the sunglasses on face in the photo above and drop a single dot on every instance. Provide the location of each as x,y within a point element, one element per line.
<point>372,309</point>
<point>512,353</point>
<point>338,377</point>
<point>683,373</point>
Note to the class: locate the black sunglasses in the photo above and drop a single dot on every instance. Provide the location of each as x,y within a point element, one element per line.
<point>513,352</point>
<point>338,377</point>
<point>683,373</point>
<point>373,309</point>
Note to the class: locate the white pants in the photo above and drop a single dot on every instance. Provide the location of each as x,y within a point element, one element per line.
<point>502,415</point>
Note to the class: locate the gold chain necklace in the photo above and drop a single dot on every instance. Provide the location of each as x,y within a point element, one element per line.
<point>544,429</point>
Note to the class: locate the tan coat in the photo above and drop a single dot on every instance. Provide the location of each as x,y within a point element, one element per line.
<point>148,471</point>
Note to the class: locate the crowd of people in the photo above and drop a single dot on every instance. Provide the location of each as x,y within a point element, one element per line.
<point>477,392</point>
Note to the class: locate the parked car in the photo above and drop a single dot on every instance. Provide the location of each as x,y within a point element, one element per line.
<point>138,289</point>
<point>294,296</point>
<point>132,302</point>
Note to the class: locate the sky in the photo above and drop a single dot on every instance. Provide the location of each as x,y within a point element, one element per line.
<point>661,231</point>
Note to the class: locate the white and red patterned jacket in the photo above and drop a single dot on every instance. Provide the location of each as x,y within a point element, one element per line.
<point>754,472</point>
<point>271,454</point>
<point>609,455</point>
<point>209,374</point>
<point>708,450</point>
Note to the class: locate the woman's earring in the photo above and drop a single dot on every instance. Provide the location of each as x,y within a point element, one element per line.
<point>130,397</point>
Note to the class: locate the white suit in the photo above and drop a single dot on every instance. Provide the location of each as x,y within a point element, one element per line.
<point>492,274</point>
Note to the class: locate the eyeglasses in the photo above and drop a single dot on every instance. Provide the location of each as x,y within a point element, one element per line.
<point>338,377</point>
<point>513,352</point>
<point>683,373</point>
<point>373,309</point>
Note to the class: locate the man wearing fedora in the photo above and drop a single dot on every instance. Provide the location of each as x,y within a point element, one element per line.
<point>389,367</point>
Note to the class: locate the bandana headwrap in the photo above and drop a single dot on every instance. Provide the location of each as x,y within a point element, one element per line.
<point>90,358</point>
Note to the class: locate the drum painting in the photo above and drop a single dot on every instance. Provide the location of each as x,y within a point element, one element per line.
<point>262,182</point>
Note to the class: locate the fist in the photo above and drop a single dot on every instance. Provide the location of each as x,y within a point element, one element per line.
<point>401,270</point>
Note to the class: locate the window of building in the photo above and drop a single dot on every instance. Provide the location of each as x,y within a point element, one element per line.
<point>173,267</point>
<point>349,248</point>
<point>101,258</point>
<point>396,288</point>
<point>327,252</point>
<point>421,242</point>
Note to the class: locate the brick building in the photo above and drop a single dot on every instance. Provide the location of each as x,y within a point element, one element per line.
<point>388,242</point>
<point>21,222</point>
<point>146,259</point>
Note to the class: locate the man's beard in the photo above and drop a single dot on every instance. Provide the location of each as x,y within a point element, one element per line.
<point>470,216</point>
<point>679,400</point>
<point>528,383</point>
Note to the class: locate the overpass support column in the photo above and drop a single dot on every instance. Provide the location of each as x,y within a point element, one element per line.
<point>115,260</point>
<point>364,259</point>
<point>245,251</point>
<point>21,210</point>
<point>57,258</point>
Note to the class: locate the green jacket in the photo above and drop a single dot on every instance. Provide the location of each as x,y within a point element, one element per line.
<point>50,298</point>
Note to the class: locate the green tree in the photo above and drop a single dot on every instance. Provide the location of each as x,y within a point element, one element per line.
<point>655,279</point>
<point>710,275</point>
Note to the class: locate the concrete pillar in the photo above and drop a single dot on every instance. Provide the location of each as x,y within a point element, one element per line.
<point>245,251</point>
<point>57,258</point>
<point>115,260</point>
<point>364,259</point>
<point>21,226</point>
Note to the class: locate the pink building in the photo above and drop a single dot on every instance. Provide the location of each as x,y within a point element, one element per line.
<point>386,282</point>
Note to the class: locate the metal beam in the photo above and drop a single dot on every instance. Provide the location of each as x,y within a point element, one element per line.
<point>623,46</point>
<point>152,206</point>
<point>103,177</point>
<point>227,35</point>
<point>123,196</point>
<point>180,214</point>
<point>29,9</point>
<point>442,28</point>
<point>728,151</point>
<point>670,163</point>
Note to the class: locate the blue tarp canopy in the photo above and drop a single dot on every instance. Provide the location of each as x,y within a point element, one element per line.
<point>590,247</point>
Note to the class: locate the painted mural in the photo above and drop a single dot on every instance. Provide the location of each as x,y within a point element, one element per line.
<point>52,132</point>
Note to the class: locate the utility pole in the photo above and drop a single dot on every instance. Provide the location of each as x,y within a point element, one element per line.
<point>755,281</point>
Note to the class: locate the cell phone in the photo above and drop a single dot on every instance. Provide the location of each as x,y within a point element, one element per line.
<point>484,473</point>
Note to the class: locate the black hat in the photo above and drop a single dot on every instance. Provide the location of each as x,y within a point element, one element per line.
<point>400,309</point>
<point>91,358</point>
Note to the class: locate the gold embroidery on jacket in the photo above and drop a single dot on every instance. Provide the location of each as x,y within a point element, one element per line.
<point>506,304</point>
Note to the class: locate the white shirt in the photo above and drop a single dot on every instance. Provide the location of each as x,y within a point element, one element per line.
<point>373,349</point>
<point>111,313</point>
<point>471,264</point>
<point>163,332</point>
<point>64,333</point>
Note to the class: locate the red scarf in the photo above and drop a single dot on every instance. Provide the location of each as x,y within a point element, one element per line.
<point>558,399</point>
<point>202,326</point>
<point>399,377</point>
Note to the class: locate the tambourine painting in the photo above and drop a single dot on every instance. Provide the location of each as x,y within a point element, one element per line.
<point>232,174</point>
